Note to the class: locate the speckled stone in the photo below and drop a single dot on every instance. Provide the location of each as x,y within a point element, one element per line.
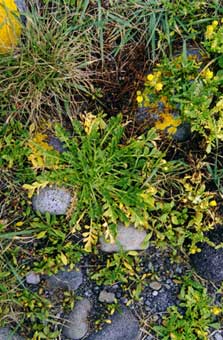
<point>128,238</point>
<point>53,200</point>
<point>155,285</point>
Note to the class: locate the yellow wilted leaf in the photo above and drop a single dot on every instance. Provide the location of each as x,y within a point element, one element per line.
<point>35,186</point>
<point>41,234</point>
<point>64,259</point>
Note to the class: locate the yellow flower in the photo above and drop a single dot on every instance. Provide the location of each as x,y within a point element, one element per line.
<point>209,31</point>
<point>168,121</point>
<point>214,23</point>
<point>216,310</point>
<point>208,74</point>
<point>139,99</point>
<point>213,203</point>
<point>158,87</point>
<point>10,25</point>
<point>150,77</point>
<point>194,249</point>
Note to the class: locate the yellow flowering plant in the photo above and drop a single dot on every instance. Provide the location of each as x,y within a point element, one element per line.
<point>10,25</point>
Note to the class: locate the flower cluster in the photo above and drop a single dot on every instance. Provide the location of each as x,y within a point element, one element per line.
<point>214,36</point>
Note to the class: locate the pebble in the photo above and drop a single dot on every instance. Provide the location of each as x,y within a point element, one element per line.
<point>53,200</point>
<point>77,323</point>
<point>129,238</point>
<point>32,278</point>
<point>70,280</point>
<point>105,296</point>
<point>155,285</point>
<point>155,293</point>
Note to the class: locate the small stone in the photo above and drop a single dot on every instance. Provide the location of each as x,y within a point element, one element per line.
<point>124,326</point>
<point>105,296</point>
<point>155,293</point>
<point>183,132</point>
<point>128,238</point>
<point>69,280</point>
<point>56,144</point>
<point>218,336</point>
<point>53,200</point>
<point>155,285</point>
<point>32,278</point>
<point>77,323</point>
<point>7,334</point>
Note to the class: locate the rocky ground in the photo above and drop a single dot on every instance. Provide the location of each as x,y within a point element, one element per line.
<point>130,321</point>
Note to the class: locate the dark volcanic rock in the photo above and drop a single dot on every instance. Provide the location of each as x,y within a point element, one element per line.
<point>209,262</point>
<point>124,326</point>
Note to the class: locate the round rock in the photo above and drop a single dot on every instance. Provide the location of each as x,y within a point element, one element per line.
<point>65,280</point>
<point>124,326</point>
<point>77,323</point>
<point>128,238</point>
<point>53,200</point>
<point>155,285</point>
<point>32,278</point>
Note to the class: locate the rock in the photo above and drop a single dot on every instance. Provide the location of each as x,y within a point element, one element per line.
<point>209,262</point>
<point>183,132</point>
<point>218,335</point>
<point>124,326</point>
<point>32,278</point>
<point>21,5</point>
<point>53,200</point>
<point>77,324</point>
<point>56,144</point>
<point>65,280</point>
<point>105,296</point>
<point>7,334</point>
<point>155,285</point>
<point>128,238</point>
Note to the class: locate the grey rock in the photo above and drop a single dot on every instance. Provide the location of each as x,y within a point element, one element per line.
<point>218,335</point>
<point>128,238</point>
<point>7,334</point>
<point>56,144</point>
<point>53,200</point>
<point>209,262</point>
<point>183,132</point>
<point>32,278</point>
<point>21,5</point>
<point>155,285</point>
<point>124,326</point>
<point>69,280</point>
<point>105,296</point>
<point>77,324</point>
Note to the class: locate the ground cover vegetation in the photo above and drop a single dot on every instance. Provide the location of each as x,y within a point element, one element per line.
<point>81,72</point>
